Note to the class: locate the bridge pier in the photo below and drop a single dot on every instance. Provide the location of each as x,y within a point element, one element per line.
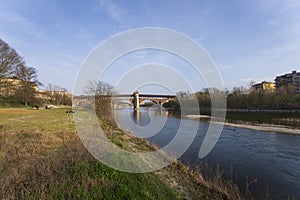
<point>136,101</point>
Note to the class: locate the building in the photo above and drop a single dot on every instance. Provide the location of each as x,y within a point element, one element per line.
<point>8,86</point>
<point>264,87</point>
<point>50,95</point>
<point>290,81</point>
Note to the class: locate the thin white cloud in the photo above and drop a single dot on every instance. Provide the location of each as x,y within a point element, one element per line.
<point>82,34</point>
<point>290,4</point>
<point>21,23</point>
<point>112,9</point>
<point>60,26</point>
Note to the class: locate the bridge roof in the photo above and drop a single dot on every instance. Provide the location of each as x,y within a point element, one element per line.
<point>146,95</point>
<point>131,95</point>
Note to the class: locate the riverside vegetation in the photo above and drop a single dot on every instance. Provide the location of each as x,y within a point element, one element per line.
<point>42,157</point>
<point>248,106</point>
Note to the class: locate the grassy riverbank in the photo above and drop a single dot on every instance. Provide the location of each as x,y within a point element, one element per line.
<point>41,157</point>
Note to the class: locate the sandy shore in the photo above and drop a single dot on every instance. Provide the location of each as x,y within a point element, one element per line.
<point>266,127</point>
<point>259,127</point>
<point>197,116</point>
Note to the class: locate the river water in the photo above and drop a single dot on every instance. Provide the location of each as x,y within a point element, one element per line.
<point>243,154</point>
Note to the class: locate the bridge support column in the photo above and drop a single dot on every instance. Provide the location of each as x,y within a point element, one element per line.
<point>160,103</point>
<point>136,102</point>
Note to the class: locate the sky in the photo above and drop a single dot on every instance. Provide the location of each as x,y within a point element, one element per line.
<point>247,40</point>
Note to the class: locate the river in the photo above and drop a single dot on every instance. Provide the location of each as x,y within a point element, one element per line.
<point>272,158</point>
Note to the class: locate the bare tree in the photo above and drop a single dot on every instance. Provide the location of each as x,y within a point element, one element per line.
<point>251,83</point>
<point>102,92</point>
<point>240,90</point>
<point>99,88</point>
<point>59,94</point>
<point>287,89</point>
<point>9,61</point>
<point>28,84</point>
<point>49,92</point>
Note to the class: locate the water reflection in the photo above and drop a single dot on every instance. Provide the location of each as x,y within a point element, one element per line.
<point>136,116</point>
<point>147,114</point>
<point>143,122</point>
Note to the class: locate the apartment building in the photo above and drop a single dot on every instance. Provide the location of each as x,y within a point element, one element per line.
<point>289,80</point>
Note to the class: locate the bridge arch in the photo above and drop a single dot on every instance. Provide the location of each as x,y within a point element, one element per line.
<point>125,101</point>
<point>144,101</point>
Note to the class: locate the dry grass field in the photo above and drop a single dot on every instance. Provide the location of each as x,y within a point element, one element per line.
<point>42,157</point>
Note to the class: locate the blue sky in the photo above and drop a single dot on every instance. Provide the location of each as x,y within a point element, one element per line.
<point>248,40</point>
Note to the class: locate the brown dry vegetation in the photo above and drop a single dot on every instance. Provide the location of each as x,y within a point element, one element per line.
<point>42,157</point>
<point>36,148</point>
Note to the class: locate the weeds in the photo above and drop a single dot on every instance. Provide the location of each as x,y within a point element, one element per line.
<point>247,190</point>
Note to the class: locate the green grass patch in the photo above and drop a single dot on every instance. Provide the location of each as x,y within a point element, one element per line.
<point>48,121</point>
<point>95,180</point>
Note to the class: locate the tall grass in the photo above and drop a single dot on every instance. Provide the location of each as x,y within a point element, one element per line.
<point>47,160</point>
<point>42,157</point>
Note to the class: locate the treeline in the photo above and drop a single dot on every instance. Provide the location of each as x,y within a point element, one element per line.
<point>57,95</point>
<point>19,83</point>
<point>247,98</point>
<point>264,101</point>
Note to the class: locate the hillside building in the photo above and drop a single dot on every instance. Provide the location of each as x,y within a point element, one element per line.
<point>8,86</point>
<point>289,80</point>
<point>264,86</point>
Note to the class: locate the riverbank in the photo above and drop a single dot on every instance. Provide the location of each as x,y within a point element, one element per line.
<point>42,157</point>
<point>266,127</point>
<point>259,127</point>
